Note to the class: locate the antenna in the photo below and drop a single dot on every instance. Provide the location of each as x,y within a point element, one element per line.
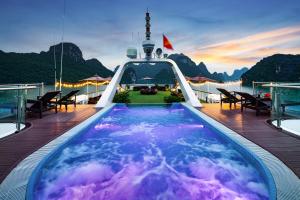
<point>132,37</point>
<point>139,42</point>
<point>54,57</point>
<point>62,47</point>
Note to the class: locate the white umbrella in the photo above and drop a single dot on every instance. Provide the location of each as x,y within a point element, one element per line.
<point>147,78</point>
<point>96,78</point>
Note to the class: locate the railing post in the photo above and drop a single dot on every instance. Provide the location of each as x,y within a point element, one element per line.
<point>42,91</point>
<point>20,109</point>
<point>276,108</point>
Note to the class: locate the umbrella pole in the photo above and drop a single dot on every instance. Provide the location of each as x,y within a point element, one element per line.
<point>87,90</point>
<point>96,88</point>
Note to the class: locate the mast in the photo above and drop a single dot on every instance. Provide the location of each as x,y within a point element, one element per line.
<point>62,48</point>
<point>148,45</point>
<point>148,32</point>
<point>55,79</point>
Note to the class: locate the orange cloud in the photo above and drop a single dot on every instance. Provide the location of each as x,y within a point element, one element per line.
<point>248,50</point>
<point>225,61</point>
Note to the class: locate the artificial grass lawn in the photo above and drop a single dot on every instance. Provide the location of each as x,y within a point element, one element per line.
<point>136,97</point>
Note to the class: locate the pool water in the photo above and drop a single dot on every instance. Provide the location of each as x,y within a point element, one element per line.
<point>4,112</point>
<point>149,152</point>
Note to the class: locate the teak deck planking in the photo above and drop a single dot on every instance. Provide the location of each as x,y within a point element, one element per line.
<point>16,147</point>
<point>256,129</point>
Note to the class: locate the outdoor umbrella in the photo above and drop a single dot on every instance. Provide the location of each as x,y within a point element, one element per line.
<point>96,78</point>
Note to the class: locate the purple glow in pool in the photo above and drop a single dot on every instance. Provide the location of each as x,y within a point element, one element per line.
<point>150,152</point>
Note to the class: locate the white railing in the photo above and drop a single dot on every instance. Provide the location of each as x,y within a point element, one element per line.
<point>277,90</point>
<point>208,92</point>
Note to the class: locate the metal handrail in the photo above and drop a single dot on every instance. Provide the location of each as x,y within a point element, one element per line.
<point>18,88</point>
<point>18,84</point>
<point>203,91</point>
<point>283,85</point>
<point>24,86</point>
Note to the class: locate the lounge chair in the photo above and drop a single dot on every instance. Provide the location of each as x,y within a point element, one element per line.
<point>66,100</point>
<point>43,103</point>
<point>94,100</point>
<point>228,97</point>
<point>254,103</point>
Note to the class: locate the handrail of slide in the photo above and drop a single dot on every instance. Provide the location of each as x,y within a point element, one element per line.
<point>108,94</point>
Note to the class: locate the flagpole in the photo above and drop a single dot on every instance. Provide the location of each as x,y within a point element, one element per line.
<point>139,45</point>
<point>163,45</point>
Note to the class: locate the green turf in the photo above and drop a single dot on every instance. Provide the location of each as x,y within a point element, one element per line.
<point>136,97</point>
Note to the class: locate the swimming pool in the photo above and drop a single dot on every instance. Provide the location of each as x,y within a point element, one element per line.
<point>150,152</point>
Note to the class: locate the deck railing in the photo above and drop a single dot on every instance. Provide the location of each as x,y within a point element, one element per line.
<point>13,103</point>
<point>207,91</point>
<point>285,100</point>
<point>257,87</point>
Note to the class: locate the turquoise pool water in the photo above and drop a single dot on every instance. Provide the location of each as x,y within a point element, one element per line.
<point>150,152</point>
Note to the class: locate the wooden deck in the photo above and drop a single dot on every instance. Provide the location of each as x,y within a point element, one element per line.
<point>256,129</point>
<point>15,148</point>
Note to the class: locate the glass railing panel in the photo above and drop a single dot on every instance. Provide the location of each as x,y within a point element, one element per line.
<point>258,88</point>
<point>8,105</point>
<point>285,101</point>
<point>8,112</point>
<point>290,101</point>
<point>13,107</point>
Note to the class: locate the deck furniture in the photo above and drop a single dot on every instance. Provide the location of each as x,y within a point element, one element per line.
<point>67,99</point>
<point>138,88</point>
<point>289,103</point>
<point>43,103</point>
<point>148,91</point>
<point>228,97</point>
<point>255,103</point>
<point>94,100</point>
<point>159,88</point>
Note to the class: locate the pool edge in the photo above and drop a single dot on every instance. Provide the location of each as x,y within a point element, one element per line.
<point>287,188</point>
<point>26,170</point>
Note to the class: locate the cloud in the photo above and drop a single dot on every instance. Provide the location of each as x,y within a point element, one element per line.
<point>248,50</point>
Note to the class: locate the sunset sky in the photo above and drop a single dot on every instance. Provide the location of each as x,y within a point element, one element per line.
<point>223,34</point>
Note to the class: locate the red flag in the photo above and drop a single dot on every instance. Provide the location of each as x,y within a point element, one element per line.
<point>167,43</point>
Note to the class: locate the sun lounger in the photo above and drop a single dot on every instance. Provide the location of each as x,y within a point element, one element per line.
<point>227,97</point>
<point>94,100</point>
<point>254,103</point>
<point>67,99</point>
<point>42,103</point>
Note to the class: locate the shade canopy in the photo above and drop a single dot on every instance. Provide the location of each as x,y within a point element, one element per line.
<point>97,78</point>
<point>147,78</point>
<point>199,79</point>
